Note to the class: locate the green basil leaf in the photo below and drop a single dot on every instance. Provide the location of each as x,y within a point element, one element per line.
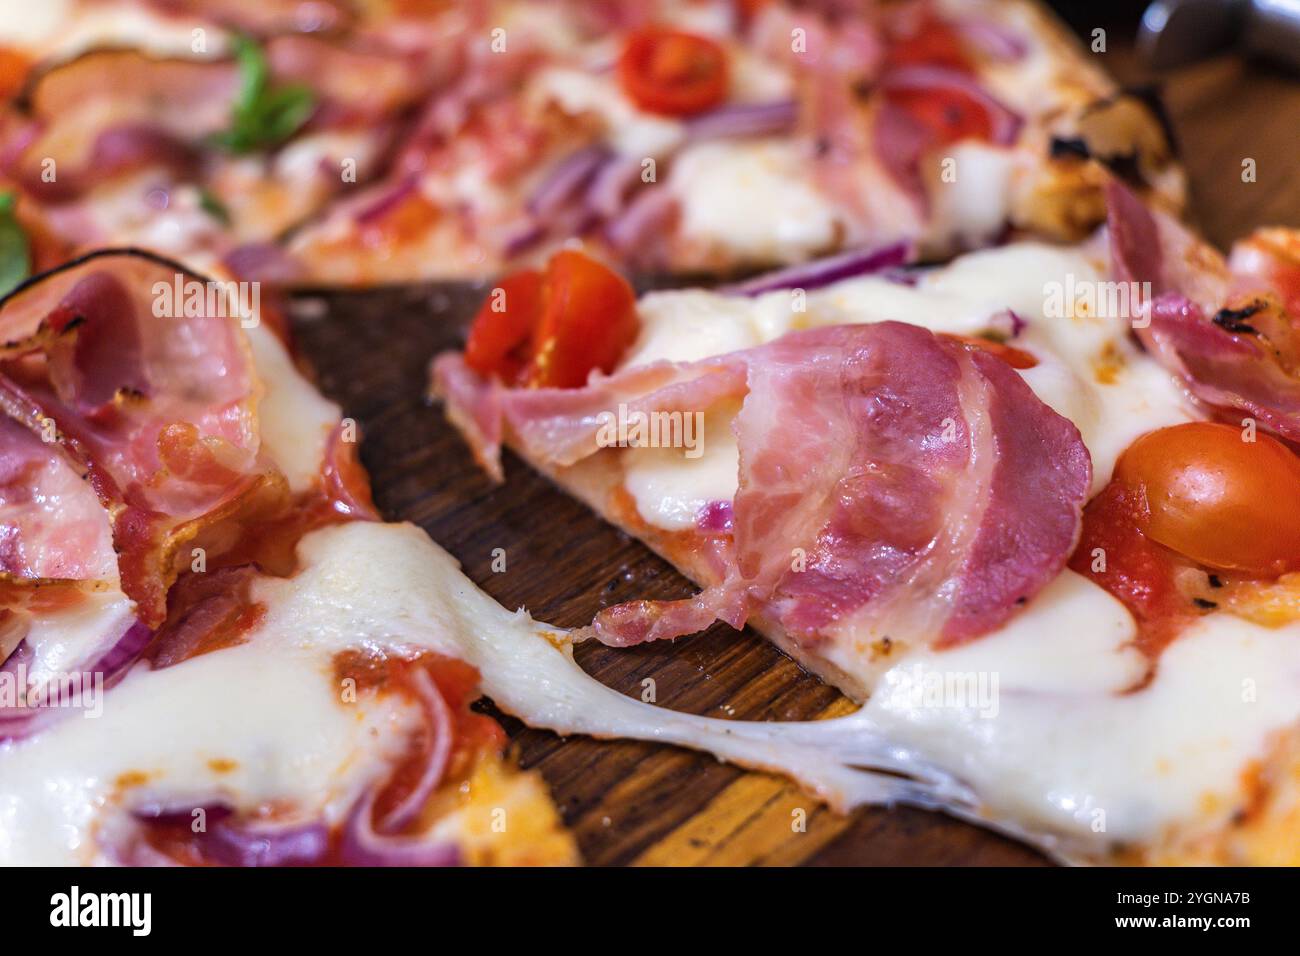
<point>262,116</point>
<point>15,253</point>
<point>214,207</point>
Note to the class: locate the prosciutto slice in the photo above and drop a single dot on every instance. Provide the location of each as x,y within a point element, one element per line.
<point>156,409</point>
<point>888,479</point>
<point>52,526</point>
<point>1228,337</point>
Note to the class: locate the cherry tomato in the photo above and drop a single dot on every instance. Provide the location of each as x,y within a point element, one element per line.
<point>673,73</point>
<point>14,67</point>
<point>1224,502</point>
<point>552,329</point>
<point>934,43</point>
<point>1016,358</point>
<point>588,321</point>
<point>503,327</point>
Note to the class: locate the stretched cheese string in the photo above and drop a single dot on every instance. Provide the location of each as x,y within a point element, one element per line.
<point>528,669</point>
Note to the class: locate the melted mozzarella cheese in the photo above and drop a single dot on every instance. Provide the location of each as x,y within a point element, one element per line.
<point>295,421</point>
<point>971,207</point>
<point>752,199</point>
<point>631,131</point>
<point>64,640</point>
<point>63,29</point>
<point>259,723</point>
<point>682,481</point>
<point>1077,758</point>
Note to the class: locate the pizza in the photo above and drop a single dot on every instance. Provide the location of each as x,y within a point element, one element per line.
<point>650,129</point>
<point>400,142</point>
<point>1036,528</point>
<point>947,403</point>
<point>176,499</point>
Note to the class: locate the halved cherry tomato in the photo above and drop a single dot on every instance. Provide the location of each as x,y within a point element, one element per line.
<point>948,113</point>
<point>1016,358</point>
<point>503,328</point>
<point>933,43</point>
<point>673,73</point>
<point>1226,503</point>
<point>551,330</point>
<point>588,321</point>
<point>14,67</point>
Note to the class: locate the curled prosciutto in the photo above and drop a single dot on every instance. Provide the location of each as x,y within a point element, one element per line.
<point>890,481</point>
<point>156,409</point>
<point>1228,334</point>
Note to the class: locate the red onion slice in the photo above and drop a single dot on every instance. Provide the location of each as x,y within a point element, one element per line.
<point>566,180</point>
<point>652,211</point>
<point>125,651</point>
<point>1005,123</point>
<point>824,272</point>
<point>360,845</point>
<point>439,720</point>
<point>605,196</point>
<point>227,839</point>
<point>246,844</point>
<point>388,200</point>
<point>740,120</point>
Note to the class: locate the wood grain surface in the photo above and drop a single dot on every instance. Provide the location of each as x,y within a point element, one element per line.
<point>635,803</point>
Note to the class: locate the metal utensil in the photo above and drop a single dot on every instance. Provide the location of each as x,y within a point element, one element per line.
<point>1176,32</point>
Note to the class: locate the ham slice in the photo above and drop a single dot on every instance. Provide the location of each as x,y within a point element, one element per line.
<point>889,480</point>
<point>157,409</point>
<point>1227,337</point>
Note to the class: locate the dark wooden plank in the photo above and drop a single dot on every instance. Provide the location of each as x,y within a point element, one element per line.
<point>631,801</point>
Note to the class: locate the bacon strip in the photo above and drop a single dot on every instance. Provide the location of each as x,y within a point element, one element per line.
<point>888,479</point>
<point>156,408</point>
<point>1228,338</point>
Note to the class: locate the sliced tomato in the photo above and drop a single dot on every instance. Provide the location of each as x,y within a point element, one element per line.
<point>552,329</point>
<point>1137,571</point>
<point>672,72</point>
<point>1224,502</point>
<point>1016,358</point>
<point>503,328</point>
<point>933,43</point>
<point>588,321</point>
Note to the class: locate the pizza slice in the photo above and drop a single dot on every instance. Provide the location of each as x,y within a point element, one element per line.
<point>212,152</point>
<point>180,513</point>
<point>707,136</point>
<point>1053,564</point>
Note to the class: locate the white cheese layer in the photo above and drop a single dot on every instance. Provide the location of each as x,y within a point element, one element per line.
<point>295,420</point>
<point>64,29</point>
<point>629,130</point>
<point>1070,754</point>
<point>752,198</point>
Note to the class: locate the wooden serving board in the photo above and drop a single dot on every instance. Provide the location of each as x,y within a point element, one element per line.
<point>631,802</point>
